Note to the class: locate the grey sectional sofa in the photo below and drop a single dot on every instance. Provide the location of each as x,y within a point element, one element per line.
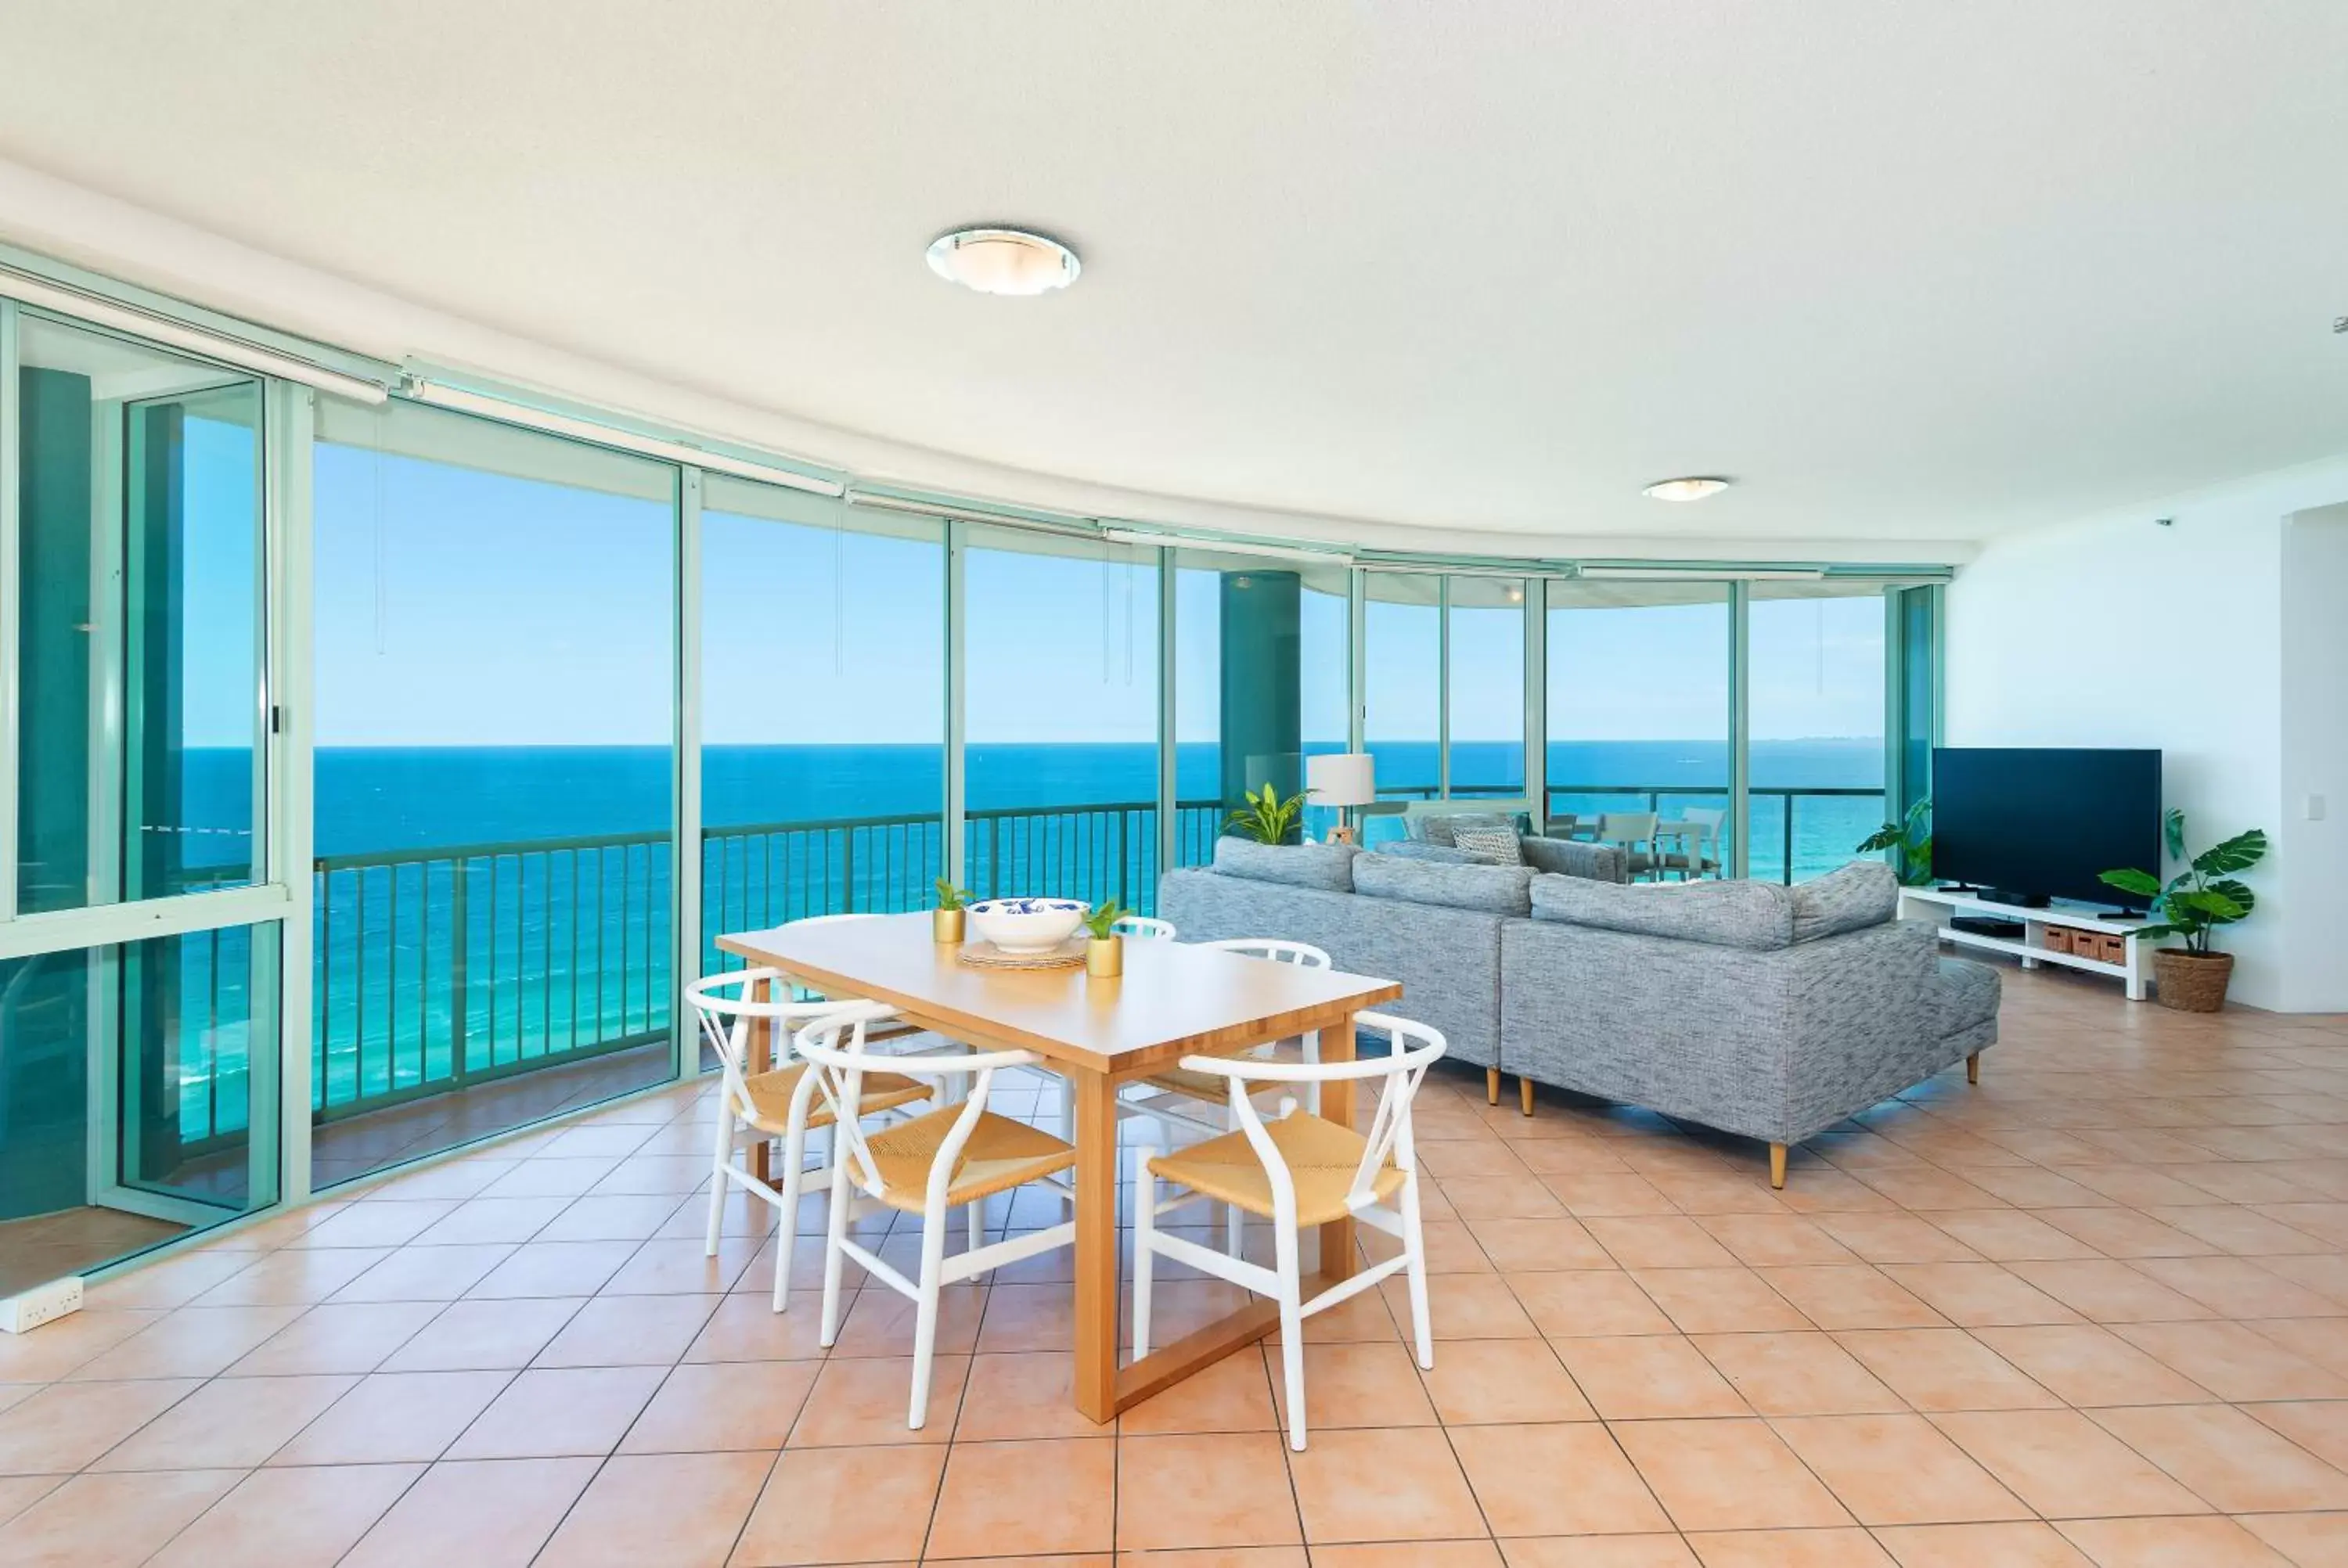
<point>1774,1012</point>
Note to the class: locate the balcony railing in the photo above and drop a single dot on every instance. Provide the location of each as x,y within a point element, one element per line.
<point>442,969</point>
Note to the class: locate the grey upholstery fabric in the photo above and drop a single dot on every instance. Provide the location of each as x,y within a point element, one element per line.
<point>1863,893</point>
<point>1490,845</point>
<point>1448,960</point>
<point>1751,915</point>
<point>1328,866</point>
<point>1436,828</point>
<point>1494,889</point>
<point>1571,857</point>
<point>1418,849</point>
<point>1775,1043</point>
<point>1964,1003</point>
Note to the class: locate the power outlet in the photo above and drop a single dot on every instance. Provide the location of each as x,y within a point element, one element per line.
<point>23,1313</point>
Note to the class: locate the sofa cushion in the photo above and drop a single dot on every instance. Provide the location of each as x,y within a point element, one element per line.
<point>1489,846</point>
<point>1493,889</point>
<point>1752,914</point>
<point>1569,857</point>
<point>1436,828</point>
<point>1328,866</point>
<point>1417,849</point>
<point>1863,893</point>
<point>1964,995</point>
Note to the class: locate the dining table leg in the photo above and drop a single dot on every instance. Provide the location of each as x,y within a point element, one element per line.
<point>1336,1260</point>
<point>1094,1094</point>
<point>761,1055</point>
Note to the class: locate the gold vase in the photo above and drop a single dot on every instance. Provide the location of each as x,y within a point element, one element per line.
<point>945,925</point>
<point>1105,957</point>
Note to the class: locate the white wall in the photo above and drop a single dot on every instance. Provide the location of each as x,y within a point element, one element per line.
<point>2312,855</point>
<point>2073,636</point>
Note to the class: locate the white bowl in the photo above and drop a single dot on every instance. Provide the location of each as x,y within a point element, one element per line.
<point>1027,925</point>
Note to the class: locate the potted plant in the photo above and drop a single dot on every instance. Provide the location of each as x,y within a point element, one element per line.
<point>946,921</point>
<point>1267,818</point>
<point>1912,837</point>
<point>2193,905</point>
<point>1105,951</point>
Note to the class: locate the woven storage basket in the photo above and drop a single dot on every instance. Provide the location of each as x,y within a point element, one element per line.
<point>2192,983</point>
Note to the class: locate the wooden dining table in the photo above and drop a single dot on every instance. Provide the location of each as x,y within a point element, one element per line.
<point>1173,1001</point>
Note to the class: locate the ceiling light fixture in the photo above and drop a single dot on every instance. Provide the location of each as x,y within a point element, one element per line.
<point>1694,489</point>
<point>1003,260</point>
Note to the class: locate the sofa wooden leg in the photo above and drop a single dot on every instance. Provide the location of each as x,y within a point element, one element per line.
<point>1973,1068</point>
<point>1492,1085</point>
<point>1777,1164</point>
<point>1524,1095</point>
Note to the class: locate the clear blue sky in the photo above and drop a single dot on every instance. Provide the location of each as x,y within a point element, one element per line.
<point>460,607</point>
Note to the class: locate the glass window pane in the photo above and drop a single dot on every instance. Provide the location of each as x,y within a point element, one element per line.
<point>1818,701</point>
<point>1638,700</point>
<point>823,663</point>
<point>1259,683</point>
<point>1060,713</point>
<point>1487,667</point>
<point>141,644</point>
<point>137,1097</point>
<point>1402,686</point>
<point>496,704</point>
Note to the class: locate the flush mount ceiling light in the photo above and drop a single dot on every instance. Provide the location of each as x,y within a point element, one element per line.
<point>1003,260</point>
<point>1685,490</point>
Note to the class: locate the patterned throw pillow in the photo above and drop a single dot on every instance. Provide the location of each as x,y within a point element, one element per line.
<point>1490,845</point>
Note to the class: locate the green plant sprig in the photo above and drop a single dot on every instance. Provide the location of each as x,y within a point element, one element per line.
<point>1102,921</point>
<point>2204,896</point>
<point>1267,819</point>
<point>1912,837</point>
<point>951,897</point>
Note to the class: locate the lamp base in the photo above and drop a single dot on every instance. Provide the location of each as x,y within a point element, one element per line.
<point>1344,836</point>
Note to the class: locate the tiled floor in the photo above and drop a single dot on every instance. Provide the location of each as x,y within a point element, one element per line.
<point>69,1240</point>
<point>2094,1311</point>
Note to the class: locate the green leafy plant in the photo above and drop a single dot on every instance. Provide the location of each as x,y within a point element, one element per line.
<point>1267,818</point>
<point>1102,921</point>
<point>2204,896</point>
<point>951,897</point>
<point>1912,837</point>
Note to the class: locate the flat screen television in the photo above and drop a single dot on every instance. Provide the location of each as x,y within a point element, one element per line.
<point>2044,822</point>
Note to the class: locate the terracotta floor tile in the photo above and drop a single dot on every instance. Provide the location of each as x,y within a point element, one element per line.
<point>1516,1198</point>
<point>1646,1376</point>
<point>479,1220</point>
<point>1797,1374</point>
<point>1591,1194</point>
<point>2306,1539</point>
<point>1480,1382</point>
<point>2236,1286</point>
<point>1022,1397</point>
<point>1571,1303</point>
<point>2088,1364</point>
<point>1599,1551</point>
<point>1728,1475</point>
<point>1412,1555</point>
<point>2065,1466</point>
<point>1777,1239</point>
<point>1978,1295</point>
<point>1516,1472</point>
<point>1981,1546</point>
<point>2004,1235</point>
<point>62,1346</point>
<point>492,1514</point>
<point>1366,1385</point>
<point>2232,1362</point>
<point>2231,1460</point>
<point>2171,1543</point>
<point>109,1521</point>
<point>1525,1247</point>
<point>1422,1494</point>
<point>1659,1241</point>
<point>383,1223</point>
<point>843,1506</point>
<point>192,1342</point>
<point>630,1330</point>
<point>393,1418</point>
<point>613,1217</point>
<point>417,1273</point>
<point>1897,1470</point>
<point>717,1406</point>
<point>554,1268</point>
<point>1900,1237</point>
<point>19,1492</point>
<point>559,1412</point>
<point>867,1400</point>
<point>2240,1231</point>
<point>230,1422</point>
<point>1790,1549</point>
<point>2106,1290</point>
<point>1851,1295</point>
<point>1945,1369</point>
<point>291,1517</point>
<point>335,1338</point>
<point>294,1277</point>
<point>2125,1232</point>
<point>63,1428</point>
<point>1718,1300</point>
<point>670,1266</point>
<point>882,1322</point>
<point>1204,1490</point>
<point>1034,1498</point>
<point>1233,1394</point>
<point>746,1329</point>
<point>478,1336</point>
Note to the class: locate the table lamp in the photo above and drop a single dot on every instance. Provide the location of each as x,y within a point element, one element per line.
<point>1342,779</point>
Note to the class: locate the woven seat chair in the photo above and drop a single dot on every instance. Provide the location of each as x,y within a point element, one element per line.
<point>956,1156</point>
<point>1300,1170</point>
<point>755,1108</point>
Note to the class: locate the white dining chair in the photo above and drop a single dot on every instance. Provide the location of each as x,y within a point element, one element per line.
<point>955,1157</point>
<point>1298,1170</point>
<point>1176,1098</point>
<point>1144,928</point>
<point>776,1105</point>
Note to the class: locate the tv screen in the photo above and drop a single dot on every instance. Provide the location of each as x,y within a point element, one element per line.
<point>2044,821</point>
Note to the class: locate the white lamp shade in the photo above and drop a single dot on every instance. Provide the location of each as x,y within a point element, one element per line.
<point>1341,778</point>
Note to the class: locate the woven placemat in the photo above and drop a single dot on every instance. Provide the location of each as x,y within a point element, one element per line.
<point>981,955</point>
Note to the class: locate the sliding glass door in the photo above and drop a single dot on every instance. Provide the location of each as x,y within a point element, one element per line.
<point>1818,701</point>
<point>1484,670</point>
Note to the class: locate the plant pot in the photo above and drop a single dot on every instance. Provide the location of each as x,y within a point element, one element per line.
<point>2192,983</point>
<point>946,926</point>
<point>1105,957</point>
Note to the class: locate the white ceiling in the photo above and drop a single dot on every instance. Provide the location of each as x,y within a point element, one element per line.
<point>1906,271</point>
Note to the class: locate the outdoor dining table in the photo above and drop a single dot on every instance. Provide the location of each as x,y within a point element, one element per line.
<point>1173,1001</point>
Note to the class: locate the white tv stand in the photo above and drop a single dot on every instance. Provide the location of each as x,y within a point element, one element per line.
<point>1940,905</point>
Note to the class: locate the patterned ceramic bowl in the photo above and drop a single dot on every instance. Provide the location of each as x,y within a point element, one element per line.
<point>1026,925</point>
